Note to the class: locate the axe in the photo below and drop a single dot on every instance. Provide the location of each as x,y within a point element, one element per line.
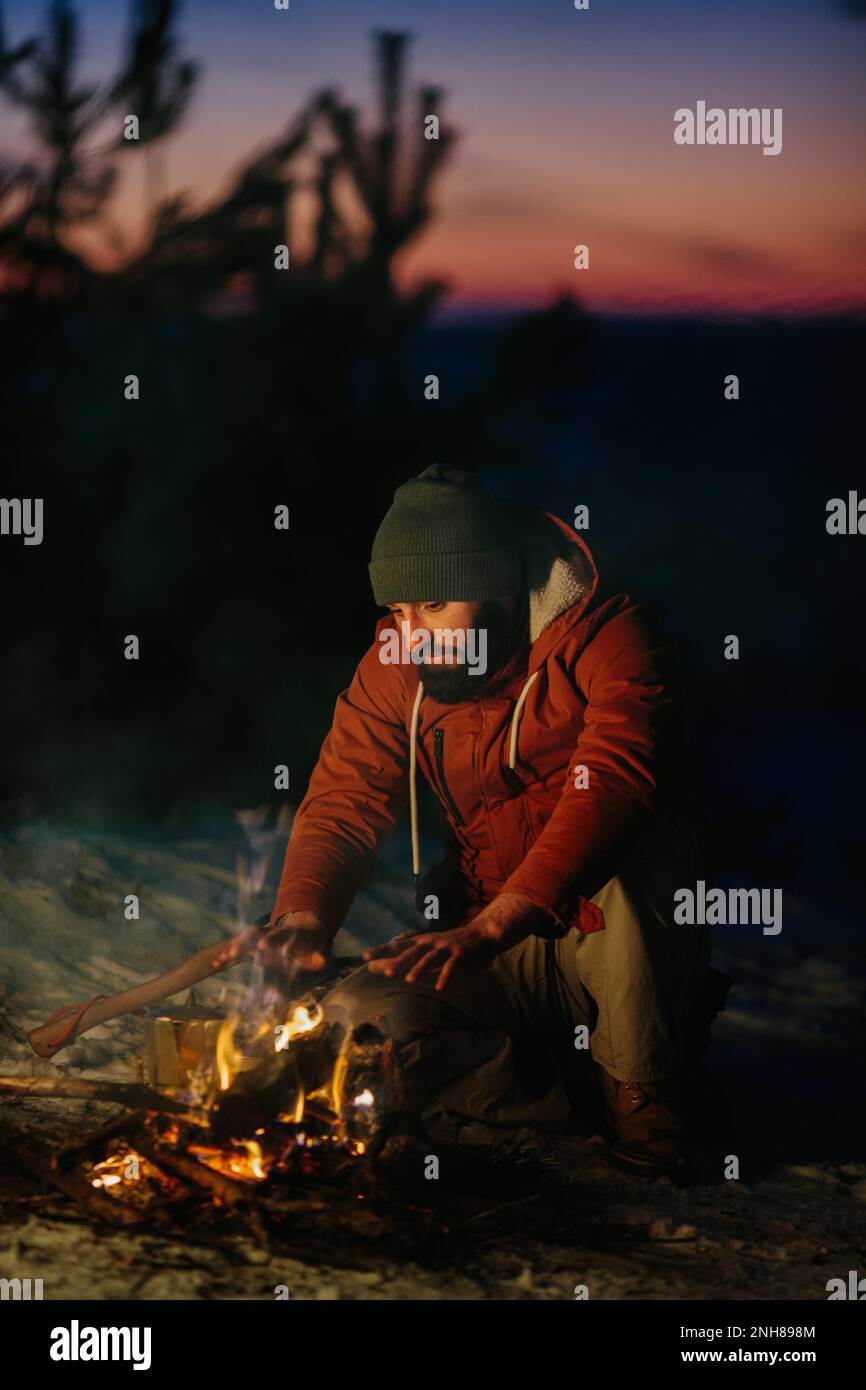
<point>68,1023</point>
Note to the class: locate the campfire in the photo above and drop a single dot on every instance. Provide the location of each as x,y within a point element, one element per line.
<point>251,1108</point>
<point>224,1105</point>
<point>224,1101</point>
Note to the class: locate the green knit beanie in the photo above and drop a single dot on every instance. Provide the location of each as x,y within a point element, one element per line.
<point>445,540</point>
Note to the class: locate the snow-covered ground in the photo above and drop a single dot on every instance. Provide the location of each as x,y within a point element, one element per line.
<point>790,1049</point>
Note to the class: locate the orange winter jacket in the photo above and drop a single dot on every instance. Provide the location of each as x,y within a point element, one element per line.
<point>594,686</point>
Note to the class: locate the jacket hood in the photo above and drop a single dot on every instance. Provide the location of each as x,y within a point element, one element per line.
<point>561,578</point>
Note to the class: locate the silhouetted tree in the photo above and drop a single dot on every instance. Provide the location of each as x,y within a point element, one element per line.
<point>358,228</point>
<point>155,84</point>
<point>71,185</point>
<point>196,251</point>
<point>391,170</point>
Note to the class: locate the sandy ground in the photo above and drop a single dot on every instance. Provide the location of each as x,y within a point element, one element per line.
<point>790,1049</point>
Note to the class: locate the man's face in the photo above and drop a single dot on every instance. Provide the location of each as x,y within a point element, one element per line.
<point>468,643</point>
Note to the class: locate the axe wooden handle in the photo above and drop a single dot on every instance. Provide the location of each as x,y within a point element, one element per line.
<point>57,1033</point>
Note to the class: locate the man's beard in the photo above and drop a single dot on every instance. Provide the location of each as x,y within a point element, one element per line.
<point>451,683</point>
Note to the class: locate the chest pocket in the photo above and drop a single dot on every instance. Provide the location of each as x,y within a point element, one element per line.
<point>441,780</point>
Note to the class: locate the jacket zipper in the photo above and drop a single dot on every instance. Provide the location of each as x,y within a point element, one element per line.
<point>438,751</point>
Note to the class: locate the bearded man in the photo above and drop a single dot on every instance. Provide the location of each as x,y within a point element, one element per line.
<point>558,761</point>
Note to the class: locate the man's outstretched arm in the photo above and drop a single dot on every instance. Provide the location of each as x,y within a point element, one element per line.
<point>355,795</point>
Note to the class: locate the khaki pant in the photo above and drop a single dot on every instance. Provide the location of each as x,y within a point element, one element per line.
<point>498,1045</point>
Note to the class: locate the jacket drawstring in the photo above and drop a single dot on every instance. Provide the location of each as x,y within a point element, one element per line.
<point>413,788</point>
<point>515,720</point>
<point>413,765</point>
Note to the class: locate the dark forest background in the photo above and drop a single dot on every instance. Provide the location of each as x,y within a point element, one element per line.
<point>306,387</point>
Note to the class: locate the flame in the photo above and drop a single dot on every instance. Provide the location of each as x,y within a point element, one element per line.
<point>338,1076</point>
<point>248,1165</point>
<point>228,1058</point>
<point>112,1171</point>
<point>301,1021</point>
<point>255,1157</point>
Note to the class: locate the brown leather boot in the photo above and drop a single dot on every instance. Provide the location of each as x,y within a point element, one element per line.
<point>648,1123</point>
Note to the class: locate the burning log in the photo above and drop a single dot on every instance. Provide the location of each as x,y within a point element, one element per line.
<point>224,1190</point>
<point>338,1077</point>
<point>92,1202</point>
<point>96,1205</point>
<point>255,1098</point>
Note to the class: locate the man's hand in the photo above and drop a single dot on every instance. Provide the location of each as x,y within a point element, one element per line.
<point>297,942</point>
<point>504,922</point>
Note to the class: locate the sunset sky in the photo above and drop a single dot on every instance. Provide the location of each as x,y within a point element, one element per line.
<point>566,125</point>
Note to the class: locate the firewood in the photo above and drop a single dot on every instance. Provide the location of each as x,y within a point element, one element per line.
<point>133,1094</point>
<point>94,1142</point>
<point>94,1204</point>
<point>255,1098</point>
<point>225,1190</point>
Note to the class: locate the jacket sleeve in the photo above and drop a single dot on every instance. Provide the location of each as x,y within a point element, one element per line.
<point>356,792</point>
<point>631,737</point>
